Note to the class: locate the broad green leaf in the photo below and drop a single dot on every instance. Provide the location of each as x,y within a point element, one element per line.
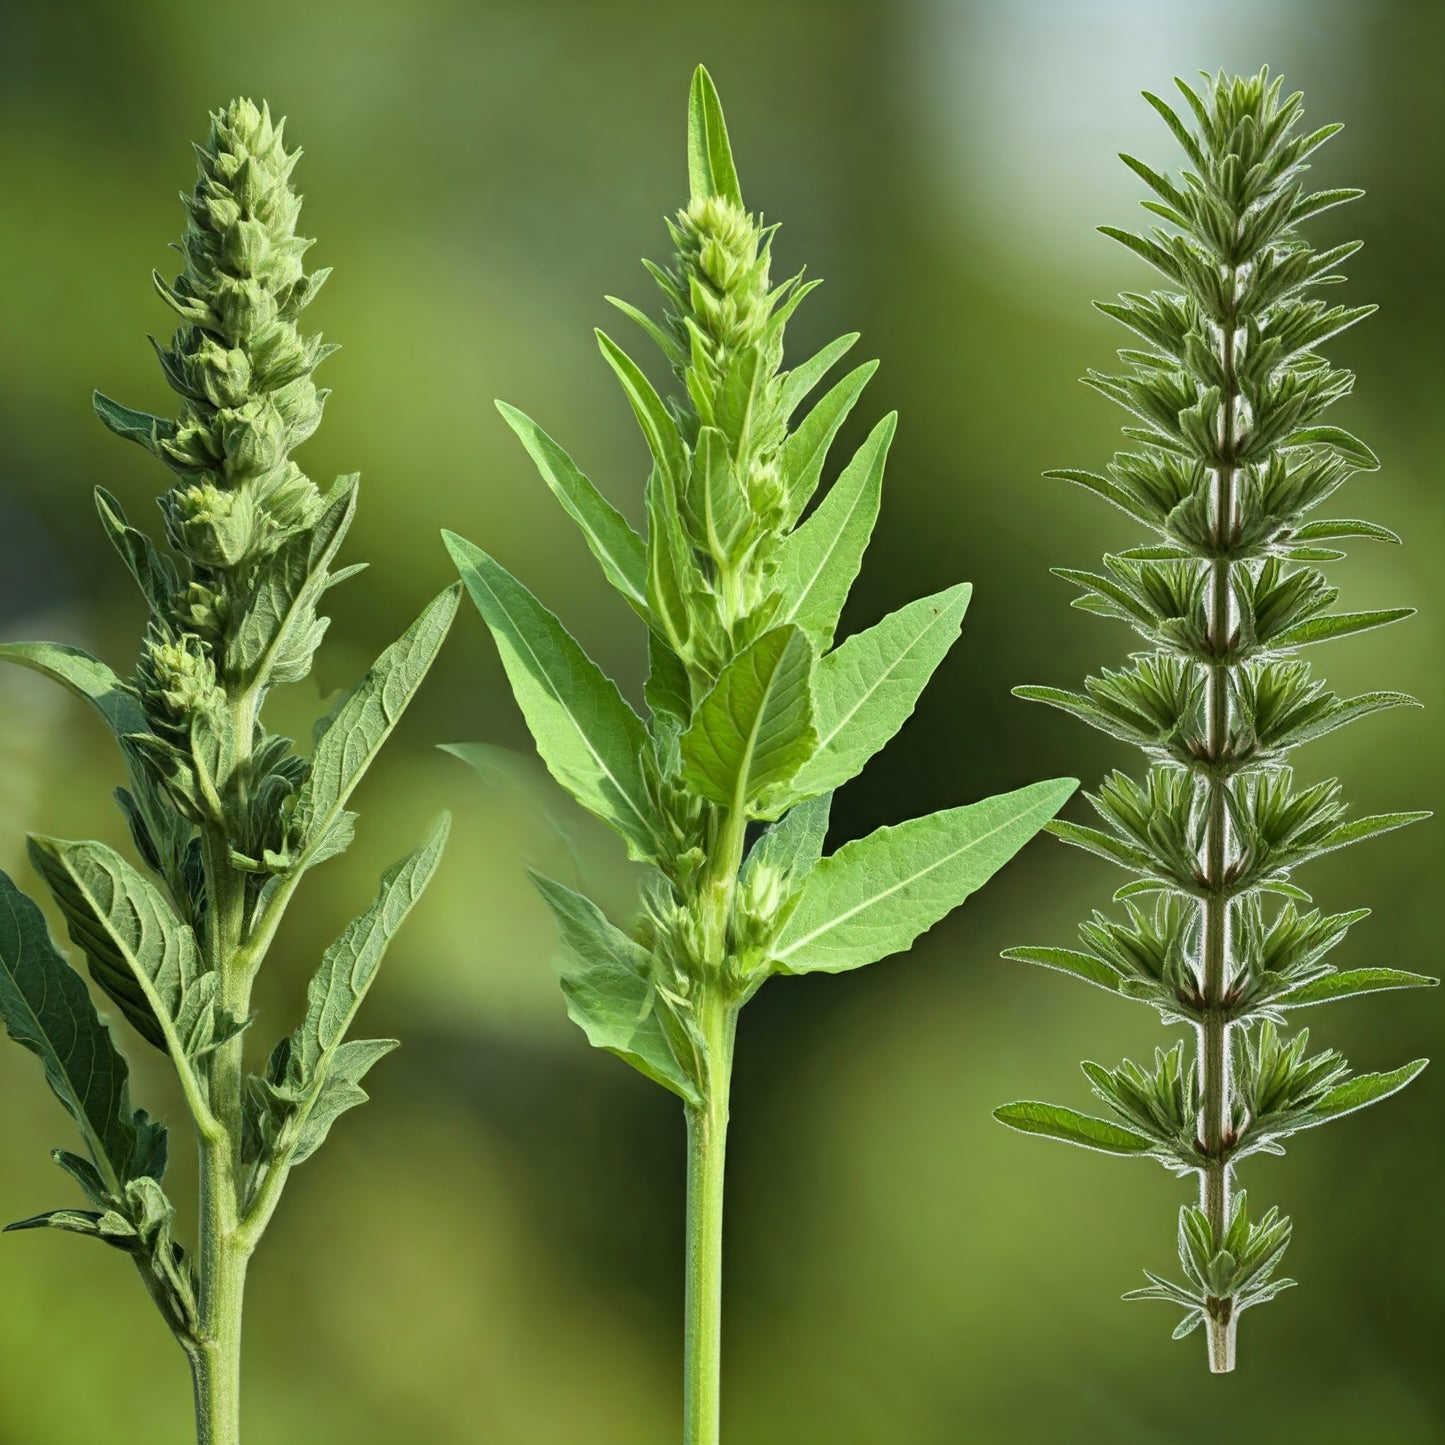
<point>1054,1121</point>
<point>1071,961</point>
<point>139,952</point>
<point>607,532</point>
<point>820,560</point>
<point>867,688</point>
<point>88,679</point>
<point>1343,624</point>
<point>46,1007</point>
<point>806,450</point>
<point>356,730</point>
<point>755,728</point>
<point>710,168</point>
<point>658,427</point>
<point>874,896</point>
<point>793,844</point>
<point>609,995</point>
<point>348,967</point>
<point>1363,1090</point>
<point>340,1091</point>
<point>1350,982</point>
<point>589,737</point>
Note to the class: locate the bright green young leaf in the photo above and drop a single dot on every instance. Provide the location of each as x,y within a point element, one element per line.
<point>874,896</point>
<point>607,532</point>
<point>589,737</point>
<point>45,1007</point>
<point>1364,1090</point>
<point>794,844</point>
<point>608,989</point>
<point>806,450</point>
<point>1054,1121</point>
<point>710,168</point>
<point>1071,961</point>
<point>658,427</point>
<point>1343,624</point>
<point>820,560</point>
<point>755,728</point>
<point>867,688</point>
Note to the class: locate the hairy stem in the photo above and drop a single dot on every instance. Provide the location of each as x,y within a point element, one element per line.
<point>224,1251</point>
<point>1214,1041</point>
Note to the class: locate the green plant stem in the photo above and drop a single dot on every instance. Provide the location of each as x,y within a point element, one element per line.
<point>1214,1042</point>
<point>224,1251</point>
<point>707,1131</point>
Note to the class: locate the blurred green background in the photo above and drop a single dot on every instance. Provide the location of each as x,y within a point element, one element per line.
<point>491,1250</point>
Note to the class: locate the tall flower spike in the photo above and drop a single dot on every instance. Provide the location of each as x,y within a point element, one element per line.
<point>1231,459</point>
<point>224,813</point>
<point>754,715</point>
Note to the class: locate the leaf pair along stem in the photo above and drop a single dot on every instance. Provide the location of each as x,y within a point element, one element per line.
<point>1230,459</point>
<point>754,715</point>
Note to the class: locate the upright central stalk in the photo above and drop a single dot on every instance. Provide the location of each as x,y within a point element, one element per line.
<point>224,1254</point>
<point>1214,1042</point>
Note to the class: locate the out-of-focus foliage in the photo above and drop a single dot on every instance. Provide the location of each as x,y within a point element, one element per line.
<point>482,174</point>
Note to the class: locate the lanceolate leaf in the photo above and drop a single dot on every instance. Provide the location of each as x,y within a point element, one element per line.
<point>658,426</point>
<point>608,989</point>
<point>589,737</point>
<point>89,680</point>
<point>45,1006</point>
<point>1344,624</point>
<point>874,896</point>
<point>806,450</point>
<point>1363,1090</point>
<point>710,168</point>
<point>154,574</point>
<point>755,727</point>
<point>340,1090</point>
<point>607,532</point>
<point>1349,982</point>
<point>867,688</point>
<point>794,844</point>
<point>364,721</point>
<point>139,952</point>
<point>348,967</point>
<point>1071,961</point>
<point>821,559</point>
<point>1056,1122</point>
<point>798,382</point>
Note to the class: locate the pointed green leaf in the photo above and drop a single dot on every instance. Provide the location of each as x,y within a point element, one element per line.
<point>820,560</point>
<point>607,532</point>
<point>1071,961</point>
<point>1361,829</point>
<point>589,737</point>
<point>608,989</point>
<point>658,426</point>
<point>867,688</point>
<point>1343,624</point>
<point>340,1090</point>
<point>139,952</point>
<point>91,681</point>
<point>133,426</point>
<point>1349,982</point>
<point>354,735</point>
<point>806,450</point>
<point>46,1007</point>
<point>1054,1121</point>
<point>154,574</point>
<point>1364,1090</point>
<point>348,967</point>
<point>798,382</point>
<point>755,728</point>
<point>874,896</point>
<point>710,168</point>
